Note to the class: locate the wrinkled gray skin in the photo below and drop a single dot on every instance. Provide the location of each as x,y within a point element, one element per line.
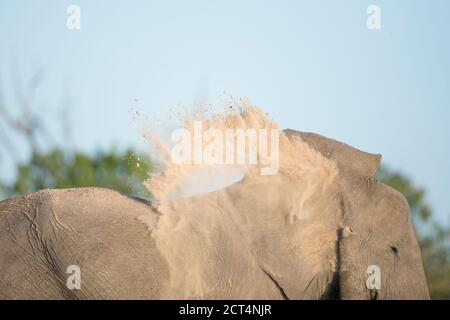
<point>249,248</point>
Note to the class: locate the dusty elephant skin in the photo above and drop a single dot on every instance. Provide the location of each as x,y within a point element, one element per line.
<point>307,234</point>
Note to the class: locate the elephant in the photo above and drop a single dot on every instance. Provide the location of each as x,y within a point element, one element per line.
<point>312,231</point>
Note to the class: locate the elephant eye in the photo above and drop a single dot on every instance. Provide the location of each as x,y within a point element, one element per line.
<point>394,250</point>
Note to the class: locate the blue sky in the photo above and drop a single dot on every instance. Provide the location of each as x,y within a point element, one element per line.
<point>313,65</point>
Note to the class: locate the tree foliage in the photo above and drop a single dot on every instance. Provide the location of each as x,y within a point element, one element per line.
<point>120,171</point>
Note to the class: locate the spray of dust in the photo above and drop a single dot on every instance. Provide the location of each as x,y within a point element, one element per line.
<point>193,221</point>
<point>178,180</point>
<point>175,180</point>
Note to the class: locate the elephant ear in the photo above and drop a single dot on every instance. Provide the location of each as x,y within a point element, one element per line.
<point>347,158</point>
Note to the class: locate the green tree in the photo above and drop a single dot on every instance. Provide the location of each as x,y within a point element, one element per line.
<point>433,238</point>
<point>22,123</point>
<point>120,171</point>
